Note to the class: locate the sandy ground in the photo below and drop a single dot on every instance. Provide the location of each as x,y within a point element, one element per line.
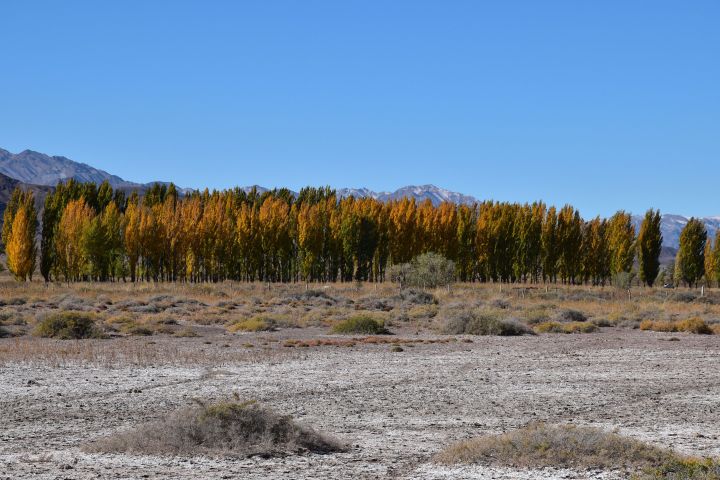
<point>395,409</point>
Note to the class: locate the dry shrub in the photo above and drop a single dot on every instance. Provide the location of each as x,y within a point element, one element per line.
<point>262,323</point>
<point>690,325</point>
<point>227,428</point>
<point>602,322</point>
<point>561,446</point>
<point>361,324</point>
<point>11,318</point>
<point>138,330</point>
<point>128,325</point>
<point>255,324</point>
<point>569,315</point>
<point>616,318</point>
<point>569,327</point>
<point>68,325</point>
<point>422,311</point>
<point>13,301</point>
<point>684,469</point>
<point>683,297</point>
<point>416,297</point>
<point>500,303</point>
<point>186,332</point>
<point>695,325</point>
<point>483,323</point>
<point>4,333</point>
<point>535,315</point>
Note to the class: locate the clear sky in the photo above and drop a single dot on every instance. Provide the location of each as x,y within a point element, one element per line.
<point>602,104</point>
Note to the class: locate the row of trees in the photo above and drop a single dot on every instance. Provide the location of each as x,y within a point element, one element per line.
<point>93,232</point>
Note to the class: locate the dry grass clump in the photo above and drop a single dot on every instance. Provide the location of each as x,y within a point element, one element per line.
<point>561,446</point>
<point>186,332</point>
<point>255,324</point>
<point>134,325</point>
<point>684,469</point>
<point>361,324</point>
<point>421,312</point>
<point>262,323</point>
<point>568,327</point>
<point>683,297</point>
<point>483,323</point>
<point>234,429</point>
<point>535,315</point>
<point>9,318</point>
<point>690,325</point>
<point>67,326</point>
<point>4,333</point>
<point>13,301</point>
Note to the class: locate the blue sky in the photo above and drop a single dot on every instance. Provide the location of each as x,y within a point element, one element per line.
<point>605,105</point>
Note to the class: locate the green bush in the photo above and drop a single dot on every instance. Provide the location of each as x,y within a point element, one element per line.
<point>68,326</point>
<point>362,324</point>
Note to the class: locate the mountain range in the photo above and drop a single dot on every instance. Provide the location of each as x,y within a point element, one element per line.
<point>41,172</point>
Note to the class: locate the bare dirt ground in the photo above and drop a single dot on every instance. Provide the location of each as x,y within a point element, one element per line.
<point>395,409</point>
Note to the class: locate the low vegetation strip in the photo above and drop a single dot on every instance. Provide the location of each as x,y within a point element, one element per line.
<point>483,323</point>
<point>361,324</point>
<point>541,445</point>
<point>690,325</point>
<point>568,327</point>
<point>371,340</point>
<point>234,429</point>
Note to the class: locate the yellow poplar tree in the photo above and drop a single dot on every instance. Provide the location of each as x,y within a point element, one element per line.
<point>21,247</point>
<point>76,218</point>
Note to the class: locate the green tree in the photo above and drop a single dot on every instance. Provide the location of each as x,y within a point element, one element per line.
<point>569,237</point>
<point>690,261</point>
<point>549,243</point>
<point>621,241</point>
<point>649,245</point>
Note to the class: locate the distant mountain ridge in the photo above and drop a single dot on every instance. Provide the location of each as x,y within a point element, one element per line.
<point>8,184</point>
<point>39,171</point>
<point>420,193</point>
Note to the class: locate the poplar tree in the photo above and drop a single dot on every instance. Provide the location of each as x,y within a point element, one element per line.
<point>465,235</point>
<point>18,234</point>
<point>710,265</point>
<point>21,250</point>
<point>72,259</point>
<point>621,241</point>
<point>649,246</point>
<point>549,242</point>
<point>716,255</point>
<point>690,261</point>
<point>569,238</point>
